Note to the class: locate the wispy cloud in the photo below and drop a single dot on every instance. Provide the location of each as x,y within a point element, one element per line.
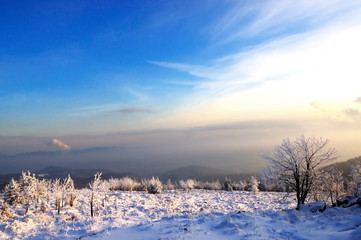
<point>325,45</point>
<point>94,110</point>
<point>275,76</point>
<point>133,110</point>
<point>249,19</point>
<point>141,96</point>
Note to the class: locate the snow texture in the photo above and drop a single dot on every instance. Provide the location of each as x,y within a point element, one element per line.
<point>177,214</point>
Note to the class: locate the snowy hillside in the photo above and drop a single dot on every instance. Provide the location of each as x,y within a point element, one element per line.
<point>178,214</point>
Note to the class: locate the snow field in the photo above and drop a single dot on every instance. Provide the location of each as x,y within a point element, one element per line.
<point>177,214</point>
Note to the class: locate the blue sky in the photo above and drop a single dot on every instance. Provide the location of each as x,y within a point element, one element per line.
<point>59,58</point>
<point>95,68</point>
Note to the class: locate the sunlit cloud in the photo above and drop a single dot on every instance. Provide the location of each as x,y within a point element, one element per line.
<point>352,113</point>
<point>358,100</point>
<point>289,72</point>
<point>318,106</point>
<point>62,146</point>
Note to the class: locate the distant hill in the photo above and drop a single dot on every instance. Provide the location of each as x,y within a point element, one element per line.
<point>81,177</point>
<point>345,167</point>
<point>202,173</point>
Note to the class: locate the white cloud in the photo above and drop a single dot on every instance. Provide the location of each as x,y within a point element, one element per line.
<point>62,146</point>
<point>279,79</point>
<point>249,19</point>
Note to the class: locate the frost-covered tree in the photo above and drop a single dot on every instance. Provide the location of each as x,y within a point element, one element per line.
<point>355,184</point>
<point>68,191</point>
<point>57,190</point>
<point>253,184</point>
<point>294,164</point>
<point>12,193</point>
<point>329,185</point>
<point>94,187</point>
<point>42,189</point>
<point>28,189</point>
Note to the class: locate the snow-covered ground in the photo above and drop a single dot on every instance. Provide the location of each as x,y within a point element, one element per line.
<point>198,214</point>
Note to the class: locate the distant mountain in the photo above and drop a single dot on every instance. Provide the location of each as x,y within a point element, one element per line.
<point>202,173</point>
<point>62,172</point>
<point>81,177</point>
<point>59,153</point>
<point>345,167</point>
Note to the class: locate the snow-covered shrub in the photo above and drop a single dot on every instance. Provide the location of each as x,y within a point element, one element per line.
<point>254,185</point>
<point>198,185</point>
<point>169,185</point>
<point>5,215</point>
<point>57,191</point>
<point>104,189</point>
<point>124,184</point>
<point>63,191</point>
<point>240,186</point>
<point>187,185</point>
<point>68,190</point>
<point>94,187</point>
<point>214,185</point>
<point>355,185</point>
<point>227,185</point>
<point>153,185</point>
<point>42,189</point>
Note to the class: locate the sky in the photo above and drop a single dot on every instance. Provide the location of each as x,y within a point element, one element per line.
<point>173,83</point>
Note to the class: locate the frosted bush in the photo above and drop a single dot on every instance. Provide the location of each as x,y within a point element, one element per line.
<point>95,187</point>
<point>214,185</point>
<point>240,186</point>
<point>57,192</point>
<point>153,185</point>
<point>228,185</point>
<point>254,185</point>
<point>169,185</point>
<point>199,185</point>
<point>104,188</point>
<point>69,191</point>
<point>29,190</point>
<point>124,184</point>
<point>187,185</point>
<point>12,193</point>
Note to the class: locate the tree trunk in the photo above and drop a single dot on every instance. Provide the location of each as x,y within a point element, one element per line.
<point>91,205</point>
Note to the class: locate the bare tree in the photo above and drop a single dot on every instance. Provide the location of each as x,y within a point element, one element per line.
<point>294,164</point>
